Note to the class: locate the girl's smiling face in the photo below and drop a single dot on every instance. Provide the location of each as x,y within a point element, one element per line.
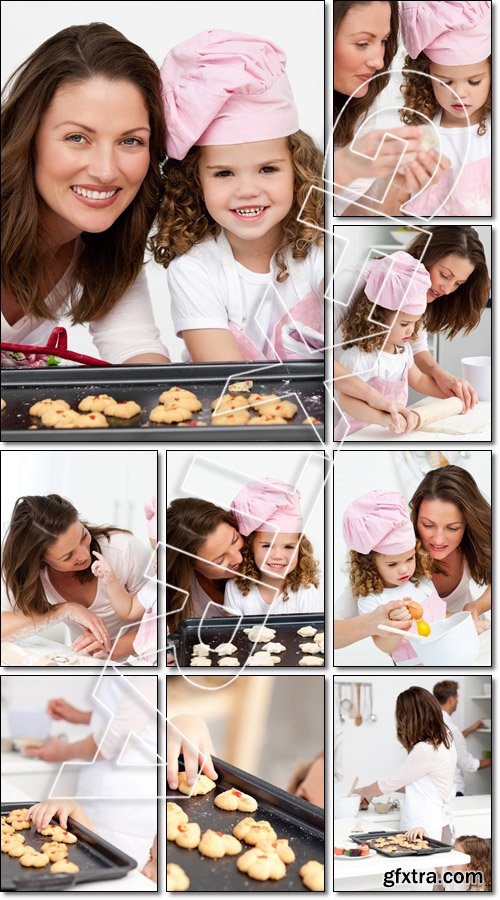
<point>471,83</point>
<point>359,47</point>
<point>395,569</point>
<point>276,558</point>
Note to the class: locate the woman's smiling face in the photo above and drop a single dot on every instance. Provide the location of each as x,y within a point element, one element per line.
<point>70,552</point>
<point>441,527</point>
<point>447,274</point>
<point>220,551</point>
<point>359,47</point>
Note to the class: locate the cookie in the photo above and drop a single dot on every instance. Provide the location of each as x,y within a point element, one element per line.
<point>60,418</point>
<point>283,408</point>
<point>43,406</point>
<point>96,403</point>
<point>123,409</point>
<point>228,402</point>
<point>202,786</point>
<point>215,845</point>
<point>201,649</point>
<point>64,865</point>
<point>7,829</point>
<point>311,420</point>
<point>259,634</point>
<point>34,860</point>
<point>252,832</point>
<point>188,835</point>
<point>311,661</point>
<point>233,799</point>
<point>59,835</point>
<point>200,661</point>
<point>178,397</point>
<point>169,415</point>
<point>175,816</point>
<point>20,824</point>
<point>239,417</point>
<point>261,865</point>
<point>310,647</point>
<point>177,879</point>
<point>229,661</point>
<point>256,400</point>
<point>21,813</point>
<point>281,847</point>
<point>54,850</point>
<point>11,840</point>
<point>225,649</point>
<point>174,392</point>
<point>238,386</point>
<point>307,631</point>
<point>313,875</point>
<point>16,850</point>
<point>2,404</point>
<point>191,424</point>
<point>267,420</point>
<point>93,420</point>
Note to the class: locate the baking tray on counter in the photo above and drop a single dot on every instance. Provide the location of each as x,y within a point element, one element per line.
<point>97,859</point>
<point>300,822</point>
<point>217,630</point>
<point>371,836</point>
<point>21,388</point>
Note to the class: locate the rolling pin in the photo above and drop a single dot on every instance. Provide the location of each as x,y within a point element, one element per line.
<point>439,409</point>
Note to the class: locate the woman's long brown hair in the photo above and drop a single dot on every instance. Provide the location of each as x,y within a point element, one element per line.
<point>190,521</point>
<point>110,261</point>
<point>357,107</point>
<point>460,310</point>
<point>419,717</point>
<point>452,484</point>
<point>36,523</point>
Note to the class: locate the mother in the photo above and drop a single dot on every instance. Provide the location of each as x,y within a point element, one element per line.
<point>47,575</point>
<point>82,141</point>
<point>365,43</point>
<point>197,528</point>
<point>459,292</point>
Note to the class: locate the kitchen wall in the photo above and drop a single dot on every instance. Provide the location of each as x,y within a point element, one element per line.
<point>35,693</point>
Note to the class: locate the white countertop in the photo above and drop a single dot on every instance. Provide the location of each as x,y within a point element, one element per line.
<point>133,881</point>
<point>377,433</point>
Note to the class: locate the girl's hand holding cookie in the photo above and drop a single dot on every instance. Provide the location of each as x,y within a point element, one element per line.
<point>42,813</point>
<point>189,736</point>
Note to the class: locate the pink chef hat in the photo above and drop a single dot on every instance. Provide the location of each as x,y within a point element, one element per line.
<point>398,281</point>
<point>222,87</point>
<point>151,516</point>
<point>379,521</point>
<point>268,505</point>
<point>452,33</point>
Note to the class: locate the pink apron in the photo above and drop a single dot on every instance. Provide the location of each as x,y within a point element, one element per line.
<point>393,390</point>
<point>470,196</point>
<point>286,341</point>
<point>434,608</point>
<point>145,644</point>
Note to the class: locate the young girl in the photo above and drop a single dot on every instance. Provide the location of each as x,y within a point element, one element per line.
<point>377,330</point>
<point>244,274</point>
<point>452,43</point>
<point>140,606</point>
<point>386,562</point>
<point>275,553</point>
<point>479,850</point>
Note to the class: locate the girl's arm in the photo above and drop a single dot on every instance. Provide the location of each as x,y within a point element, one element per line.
<point>353,386</point>
<point>127,606</point>
<point>448,383</point>
<point>189,736</point>
<point>358,409</point>
<point>424,384</point>
<point>211,345</point>
<point>42,813</point>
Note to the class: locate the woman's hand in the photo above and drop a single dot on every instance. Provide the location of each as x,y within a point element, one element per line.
<point>395,613</point>
<point>401,614</point>
<point>42,813</point>
<point>102,569</point>
<point>402,421</point>
<point>61,709</point>
<point>375,157</point>
<point>456,387</point>
<point>414,176</point>
<point>416,834</point>
<point>190,736</point>
<point>88,644</point>
<point>90,622</point>
<point>55,750</point>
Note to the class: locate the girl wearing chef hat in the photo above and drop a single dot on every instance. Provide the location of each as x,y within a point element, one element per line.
<point>386,562</point>
<point>451,42</point>
<point>377,332</point>
<point>240,225</point>
<point>276,553</point>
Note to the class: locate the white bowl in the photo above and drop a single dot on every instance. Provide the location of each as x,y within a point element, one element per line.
<point>477,370</point>
<point>344,807</point>
<point>452,642</point>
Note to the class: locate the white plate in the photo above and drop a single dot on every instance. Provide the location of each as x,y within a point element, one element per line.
<point>357,858</point>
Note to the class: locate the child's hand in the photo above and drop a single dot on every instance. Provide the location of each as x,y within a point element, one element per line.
<point>400,424</point>
<point>416,834</point>
<point>102,569</point>
<point>415,176</point>
<point>191,737</point>
<point>41,813</point>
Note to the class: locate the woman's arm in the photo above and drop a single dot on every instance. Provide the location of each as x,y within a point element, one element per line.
<point>349,631</point>
<point>353,386</point>
<point>124,645</point>
<point>150,359</point>
<point>376,154</point>
<point>358,409</point>
<point>388,644</point>
<point>482,604</point>
<point>424,384</point>
<point>390,194</point>
<point>446,382</point>
<point>18,626</point>
<point>211,345</point>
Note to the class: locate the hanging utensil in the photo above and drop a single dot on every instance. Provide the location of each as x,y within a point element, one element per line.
<point>359,718</point>
<point>373,717</point>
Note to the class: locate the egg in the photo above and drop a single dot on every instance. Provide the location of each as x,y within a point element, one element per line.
<point>414,609</point>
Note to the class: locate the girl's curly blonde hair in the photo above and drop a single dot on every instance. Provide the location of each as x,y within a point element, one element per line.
<point>419,95</point>
<point>365,579</point>
<point>184,220</point>
<point>357,327</point>
<point>306,571</point>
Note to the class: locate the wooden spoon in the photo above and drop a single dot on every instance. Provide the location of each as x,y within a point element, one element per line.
<point>359,718</point>
<point>353,785</point>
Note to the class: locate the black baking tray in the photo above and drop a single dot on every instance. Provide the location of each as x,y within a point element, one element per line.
<point>371,836</point>
<point>21,388</point>
<point>217,630</point>
<point>302,823</point>
<point>97,859</point>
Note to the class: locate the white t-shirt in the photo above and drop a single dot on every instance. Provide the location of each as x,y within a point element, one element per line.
<point>200,294</point>
<point>378,363</point>
<point>416,592</point>
<point>466,762</point>
<point>303,600</point>
<point>148,595</point>
<point>127,330</point>
<point>128,558</point>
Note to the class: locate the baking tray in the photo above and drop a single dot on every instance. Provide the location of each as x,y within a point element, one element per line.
<point>302,823</point>
<point>216,630</point>
<point>98,860</point>
<point>370,836</point>
<point>21,388</point>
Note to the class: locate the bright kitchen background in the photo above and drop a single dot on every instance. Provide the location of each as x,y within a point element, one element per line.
<point>217,476</point>
<point>157,26</point>
<point>371,750</point>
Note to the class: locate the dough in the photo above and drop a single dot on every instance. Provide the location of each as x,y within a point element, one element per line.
<point>229,661</point>
<point>263,658</point>
<point>168,415</point>
<point>215,845</point>
<point>235,800</point>
<point>260,634</point>
<point>476,421</point>
<point>122,409</point>
<point>275,648</point>
<point>319,637</point>
<point>313,875</point>
<point>177,879</point>
<point>225,649</point>
<point>283,408</point>
<point>64,865</point>
<point>238,417</point>
<point>203,785</point>
<point>307,631</point>
<point>311,661</point>
<point>95,404</point>
<point>262,865</point>
<point>310,648</point>
<point>200,661</point>
<point>201,650</point>
<point>252,832</point>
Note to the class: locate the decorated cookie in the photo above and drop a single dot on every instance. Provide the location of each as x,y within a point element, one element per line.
<point>307,631</point>
<point>175,816</point>
<point>215,845</point>
<point>11,840</point>
<point>21,813</point>
<point>311,420</point>
<point>311,661</point>
<point>20,824</point>
<point>200,661</point>
<point>259,634</point>
<point>229,661</point>
<point>267,420</point>
<point>313,875</point>
<point>188,835</point>
<point>261,865</point>
<point>95,403</point>
<point>169,415</point>
<point>283,408</point>
<point>7,829</point>
<point>16,850</point>
<point>203,785</point>
<point>43,406</point>
<point>225,649</point>
<point>60,418</point>
<point>191,424</point>
<point>93,420</point>
<point>59,835</point>
<point>176,397</point>
<point>64,865</point>
<point>174,392</point>
<point>239,417</point>
<point>55,851</point>
<point>123,409</point>
<point>256,400</point>
<point>281,847</point>
<point>177,879</point>
<point>312,647</point>
<point>252,832</point>
<point>233,799</point>
<point>33,859</point>
<point>238,386</point>
<point>228,402</point>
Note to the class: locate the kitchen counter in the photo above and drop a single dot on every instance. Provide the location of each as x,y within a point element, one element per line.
<point>133,881</point>
<point>472,815</point>
<point>378,433</point>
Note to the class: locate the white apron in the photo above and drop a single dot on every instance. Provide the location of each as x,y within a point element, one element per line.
<point>423,807</point>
